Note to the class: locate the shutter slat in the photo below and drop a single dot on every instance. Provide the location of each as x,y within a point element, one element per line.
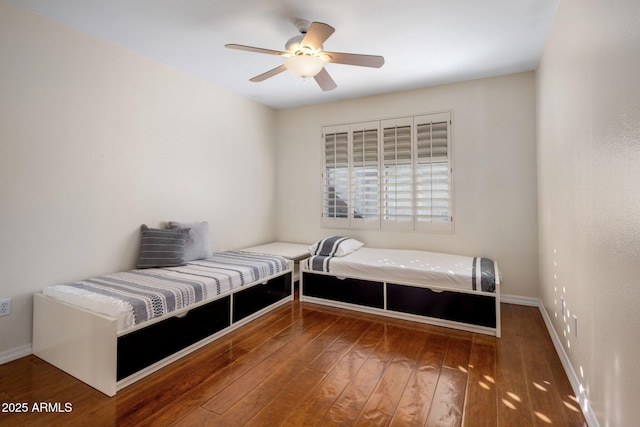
<point>432,172</point>
<point>365,180</point>
<point>336,149</point>
<point>397,190</point>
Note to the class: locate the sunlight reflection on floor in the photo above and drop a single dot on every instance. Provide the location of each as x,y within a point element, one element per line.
<point>543,417</point>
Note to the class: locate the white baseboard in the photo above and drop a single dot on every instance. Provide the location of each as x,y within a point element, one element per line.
<point>15,353</point>
<point>515,299</point>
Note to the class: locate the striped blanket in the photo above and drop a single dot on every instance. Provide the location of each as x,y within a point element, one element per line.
<point>139,295</point>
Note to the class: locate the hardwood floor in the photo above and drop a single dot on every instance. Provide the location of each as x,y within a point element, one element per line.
<point>304,364</point>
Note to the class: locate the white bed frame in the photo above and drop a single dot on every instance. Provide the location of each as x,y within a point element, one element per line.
<point>84,343</point>
<point>385,311</point>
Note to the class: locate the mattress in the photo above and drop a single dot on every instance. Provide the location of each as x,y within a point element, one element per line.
<point>135,296</point>
<point>413,267</point>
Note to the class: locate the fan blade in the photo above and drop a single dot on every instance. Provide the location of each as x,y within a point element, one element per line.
<point>325,81</point>
<point>374,61</point>
<point>270,73</point>
<point>256,49</point>
<point>317,34</point>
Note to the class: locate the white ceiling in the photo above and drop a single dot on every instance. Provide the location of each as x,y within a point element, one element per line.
<point>424,42</point>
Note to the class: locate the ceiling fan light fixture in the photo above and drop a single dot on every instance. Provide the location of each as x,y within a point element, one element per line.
<point>306,57</point>
<point>294,43</point>
<point>304,65</point>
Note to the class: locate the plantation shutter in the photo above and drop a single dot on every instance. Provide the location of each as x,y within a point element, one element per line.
<point>397,174</point>
<point>365,175</point>
<point>336,177</point>
<point>432,172</point>
<point>393,174</point>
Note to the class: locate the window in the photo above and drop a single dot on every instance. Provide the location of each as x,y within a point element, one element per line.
<point>392,174</point>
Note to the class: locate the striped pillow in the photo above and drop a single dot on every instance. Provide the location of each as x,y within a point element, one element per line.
<point>335,246</point>
<point>162,248</point>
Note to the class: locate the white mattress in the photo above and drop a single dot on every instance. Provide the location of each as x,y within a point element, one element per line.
<point>408,267</point>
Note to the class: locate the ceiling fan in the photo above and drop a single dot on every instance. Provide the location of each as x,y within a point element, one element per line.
<point>305,57</point>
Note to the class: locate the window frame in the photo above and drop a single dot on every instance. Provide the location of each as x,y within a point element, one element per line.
<point>382,220</point>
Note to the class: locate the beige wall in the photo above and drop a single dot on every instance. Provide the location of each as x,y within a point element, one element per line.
<point>95,140</point>
<point>494,162</point>
<point>589,197</point>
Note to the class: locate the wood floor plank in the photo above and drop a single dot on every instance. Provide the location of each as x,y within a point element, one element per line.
<point>352,400</point>
<point>229,395</point>
<point>570,402</point>
<point>288,398</point>
<point>458,353</point>
<point>448,400</point>
<point>323,396</point>
<point>304,365</point>
<point>327,360</point>
<point>480,408</point>
<point>382,403</point>
<point>540,381</point>
<point>199,417</point>
<point>37,381</point>
<point>571,408</point>
<point>286,371</point>
<point>413,408</point>
<point>512,391</point>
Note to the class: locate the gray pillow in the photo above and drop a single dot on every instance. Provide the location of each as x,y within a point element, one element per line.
<point>197,246</point>
<point>162,248</point>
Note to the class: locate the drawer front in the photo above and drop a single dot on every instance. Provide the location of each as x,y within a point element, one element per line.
<point>144,347</point>
<point>354,291</point>
<point>253,299</point>
<point>459,307</point>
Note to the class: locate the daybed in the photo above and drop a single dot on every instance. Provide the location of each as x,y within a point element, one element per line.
<point>113,330</point>
<point>441,289</point>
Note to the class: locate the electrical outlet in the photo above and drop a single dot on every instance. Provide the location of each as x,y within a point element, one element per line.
<point>5,307</point>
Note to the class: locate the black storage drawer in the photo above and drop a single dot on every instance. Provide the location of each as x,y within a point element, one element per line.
<point>460,307</point>
<point>142,348</point>
<point>354,291</point>
<point>253,299</point>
